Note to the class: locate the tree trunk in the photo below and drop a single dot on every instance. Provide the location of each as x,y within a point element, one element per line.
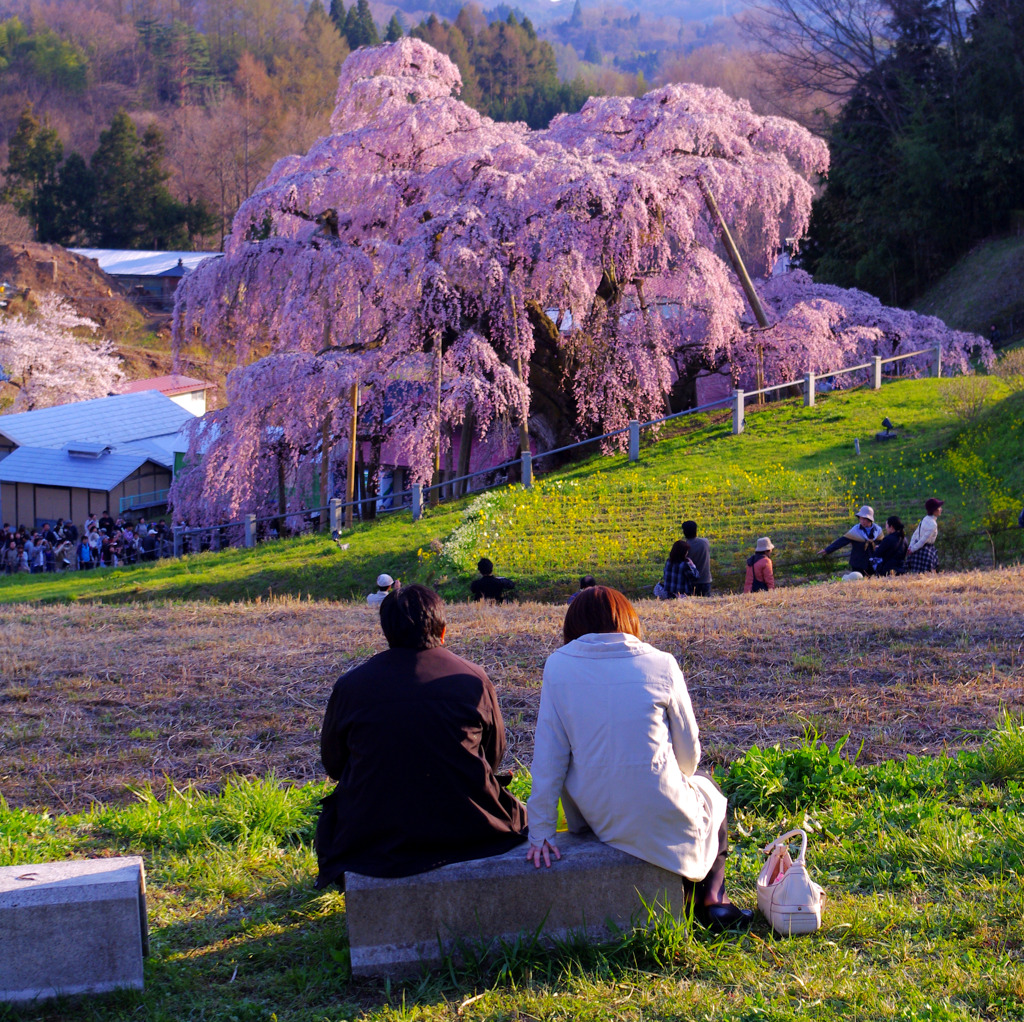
<point>325,468</point>
<point>282,500</point>
<point>466,448</point>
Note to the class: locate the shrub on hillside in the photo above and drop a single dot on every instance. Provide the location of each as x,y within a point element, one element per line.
<point>1010,369</point>
<point>965,397</point>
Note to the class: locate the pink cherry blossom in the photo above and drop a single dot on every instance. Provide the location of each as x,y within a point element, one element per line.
<point>581,261</point>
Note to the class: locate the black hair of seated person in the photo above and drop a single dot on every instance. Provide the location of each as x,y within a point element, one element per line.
<point>413,618</point>
<point>485,566</point>
<point>690,529</point>
<point>679,552</point>
<point>588,582</point>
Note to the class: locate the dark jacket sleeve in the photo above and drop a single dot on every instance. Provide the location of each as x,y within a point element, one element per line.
<point>333,751</point>
<point>833,547</point>
<point>492,742</point>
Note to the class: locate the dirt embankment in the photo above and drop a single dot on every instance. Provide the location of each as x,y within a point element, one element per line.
<point>94,699</point>
<point>142,339</point>
<point>92,292</point>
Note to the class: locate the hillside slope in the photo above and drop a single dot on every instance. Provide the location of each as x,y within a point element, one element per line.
<point>986,287</point>
<point>793,475</point>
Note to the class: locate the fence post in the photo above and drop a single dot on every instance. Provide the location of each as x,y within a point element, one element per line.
<point>737,413</point>
<point>417,501</point>
<point>877,373</point>
<point>809,390</point>
<point>250,531</point>
<point>938,360</point>
<point>335,512</point>
<point>178,530</point>
<point>526,460</point>
<point>634,439</point>
<point>215,539</point>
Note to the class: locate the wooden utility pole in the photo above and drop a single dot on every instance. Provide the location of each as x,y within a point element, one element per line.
<point>524,419</point>
<point>741,271</point>
<point>435,490</point>
<point>350,482</point>
<point>325,468</point>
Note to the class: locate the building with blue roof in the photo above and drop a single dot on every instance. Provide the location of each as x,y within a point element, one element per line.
<point>113,453</point>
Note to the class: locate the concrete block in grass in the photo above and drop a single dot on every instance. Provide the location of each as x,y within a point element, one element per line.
<point>70,928</point>
<point>397,925</point>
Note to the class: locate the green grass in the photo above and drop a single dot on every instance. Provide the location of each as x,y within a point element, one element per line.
<point>793,475</point>
<point>922,861</point>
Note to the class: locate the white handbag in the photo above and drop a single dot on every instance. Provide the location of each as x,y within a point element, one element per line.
<point>788,898</point>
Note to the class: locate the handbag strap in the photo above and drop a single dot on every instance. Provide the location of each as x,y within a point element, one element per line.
<point>781,842</point>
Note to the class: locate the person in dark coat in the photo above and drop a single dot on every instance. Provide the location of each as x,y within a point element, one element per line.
<point>414,737</point>
<point>862,539</point>
<point>489,586</point>
<point>891,553</point>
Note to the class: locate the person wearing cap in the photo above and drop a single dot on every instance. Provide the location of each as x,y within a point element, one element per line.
<point>862,539</point>
<point>414,738</point>
<point>385,583</point>
<point>921,554</point>
<point>760,573</point>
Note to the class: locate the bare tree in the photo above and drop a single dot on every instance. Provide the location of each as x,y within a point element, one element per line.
<point>819,49</point>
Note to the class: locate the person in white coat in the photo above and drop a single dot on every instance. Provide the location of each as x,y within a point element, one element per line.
<point>617,741</point>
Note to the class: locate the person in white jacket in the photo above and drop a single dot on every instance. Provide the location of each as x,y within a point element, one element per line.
<point>617,741</point>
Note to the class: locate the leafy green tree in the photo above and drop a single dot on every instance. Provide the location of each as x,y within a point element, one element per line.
<point>893,214</point>
<point>180,63</point>
<point>394,31</point>
<point>42,56</point>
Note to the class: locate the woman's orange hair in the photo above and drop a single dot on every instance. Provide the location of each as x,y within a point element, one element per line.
<point>600,609</point>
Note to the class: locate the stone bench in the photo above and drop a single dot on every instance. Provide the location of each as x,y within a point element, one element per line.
<point>72,928</point>
<point>397,925</point>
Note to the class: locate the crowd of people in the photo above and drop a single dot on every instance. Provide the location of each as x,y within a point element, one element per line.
<point>874,550</point>
<point>102,541</point>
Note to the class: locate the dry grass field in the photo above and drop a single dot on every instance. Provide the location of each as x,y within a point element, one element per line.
<point>96,700</point>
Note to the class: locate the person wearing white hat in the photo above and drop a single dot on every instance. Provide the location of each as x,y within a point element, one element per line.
<point>760,572</point>
<point>862,539</point>
<point>385,583</point>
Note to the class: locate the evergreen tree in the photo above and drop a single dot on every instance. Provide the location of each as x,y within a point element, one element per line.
<point>337,13</point>
<point>576,18</point>
<point>893,215</point>
<point>360,29</point>
<point>592,54</point>
<point>75,198</point>
<point>133,208</point>
<point>394,31</point>
<point>34,156</point>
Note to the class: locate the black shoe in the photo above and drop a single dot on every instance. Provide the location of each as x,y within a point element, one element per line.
<point>719,918</point>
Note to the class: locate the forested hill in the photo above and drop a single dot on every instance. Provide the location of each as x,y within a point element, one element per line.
<point>144,123</point>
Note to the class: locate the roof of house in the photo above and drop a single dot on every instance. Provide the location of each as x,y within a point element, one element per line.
<point>121,262</point>
<point>114,420</point>
<point>47,466</point>
<point>169,385</point>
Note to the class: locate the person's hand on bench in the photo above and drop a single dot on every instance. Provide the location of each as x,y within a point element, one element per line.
<point>543,851</point>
